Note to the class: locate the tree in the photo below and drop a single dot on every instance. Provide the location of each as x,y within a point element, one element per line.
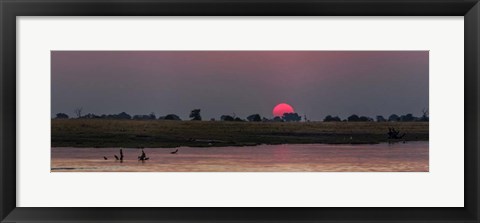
<point>353,118</point>
<point>172,117</point>
<point>408,118</point>
<point>365,119</point>
<point>78,112</point>
<point>61,116</point>
<point>90,116</point>
<point>277,119</point>
<point>195,115</point>
<point>394,134</point>
<point>124,115</point>
<point>393,118</point>
<point>291,117</point>
<point>140,117</point>
<point>380,118</point>
<point>121,115</point>
<point>329,118</point>
<point>424,117</point>
<point>237,119</point>
<point>254,118</point>
<point>152,116</point>
<point>227,118</point>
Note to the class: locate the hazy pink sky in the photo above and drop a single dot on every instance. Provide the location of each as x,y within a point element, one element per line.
<point>315,83</point>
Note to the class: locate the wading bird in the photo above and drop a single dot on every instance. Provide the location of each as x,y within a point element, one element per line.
<point>121,155</point>
<point>143,157</point>
<point>174,152</point>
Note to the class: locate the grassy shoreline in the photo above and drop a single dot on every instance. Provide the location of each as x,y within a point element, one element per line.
<point>167,134</point>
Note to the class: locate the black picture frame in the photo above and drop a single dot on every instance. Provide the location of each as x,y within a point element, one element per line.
<point>10,9</point>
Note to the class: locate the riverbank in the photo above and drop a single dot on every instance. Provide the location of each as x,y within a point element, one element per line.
<point>162,133</point>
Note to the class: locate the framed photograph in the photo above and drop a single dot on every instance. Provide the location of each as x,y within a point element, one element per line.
<point>233,130</point>
<point>228,111</point>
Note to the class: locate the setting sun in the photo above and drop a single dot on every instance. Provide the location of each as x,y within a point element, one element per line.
<point>281,109</point>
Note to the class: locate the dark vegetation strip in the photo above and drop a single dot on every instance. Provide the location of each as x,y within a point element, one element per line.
<point>162,133</point>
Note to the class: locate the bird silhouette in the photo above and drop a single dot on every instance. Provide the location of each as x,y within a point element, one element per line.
<point>143,157</point>
<point>105,158</point>
<point>174,152</point>
<point>121,155</point>
<point>116,157</point>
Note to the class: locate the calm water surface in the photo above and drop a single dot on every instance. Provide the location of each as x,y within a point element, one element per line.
<point>410,156</point>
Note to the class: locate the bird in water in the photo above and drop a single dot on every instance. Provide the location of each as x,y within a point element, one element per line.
<point>174,152</point>
<point>121,155</point>
<point>105,158</point>
<point>143,157</point>
<point>116,157</point>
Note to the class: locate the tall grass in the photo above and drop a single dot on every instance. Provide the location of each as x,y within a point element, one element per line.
<point>163,133</point>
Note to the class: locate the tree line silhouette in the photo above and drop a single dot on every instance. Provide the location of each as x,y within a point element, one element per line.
<point>195,115</point>
<point>392,118</point>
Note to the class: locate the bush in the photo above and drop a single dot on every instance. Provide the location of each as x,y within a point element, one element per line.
<point>329,118</point>
<point>172,117</point>
<point>227,118</point>
<point>408,118</point>
<point>61,116</point>
<point>393,118</point>
<point>254,118</point>
<point>353,118</point>
<point>195,115</point>
<point>381,118</point>
<point>237,119</point>
<point>291,117</point>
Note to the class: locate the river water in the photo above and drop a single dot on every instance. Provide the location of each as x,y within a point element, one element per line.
<point>383,157</point>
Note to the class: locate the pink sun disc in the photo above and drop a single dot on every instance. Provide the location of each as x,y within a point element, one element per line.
<point>281,109</point>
